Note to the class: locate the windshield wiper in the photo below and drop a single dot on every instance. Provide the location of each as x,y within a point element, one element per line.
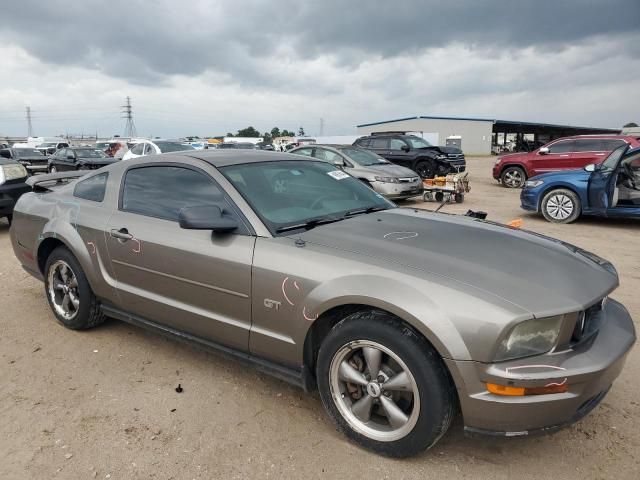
<point>309,224</point>
<point>351,213</point>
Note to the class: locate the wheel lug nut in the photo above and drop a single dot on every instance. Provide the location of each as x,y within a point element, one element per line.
<point>368,377</point>
<point>380,379</point>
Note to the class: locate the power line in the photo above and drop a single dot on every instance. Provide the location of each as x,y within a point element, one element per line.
<point>129,128</point>
<point>29,126</point>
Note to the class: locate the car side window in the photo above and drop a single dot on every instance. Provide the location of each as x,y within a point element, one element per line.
<point>138,149</point>
<point>612,144</point>
<point>92,188</point>
<point>564,146</point>
<point>588,145</point>
<point>62,153</point>
<point>363,142</point>
<point>379,143</point>
<point>161,191</point>
<point>5,153</point>
<point>304,151</point>
<point>327,155</point>
<point>396,144</point>
<point>148,149</point>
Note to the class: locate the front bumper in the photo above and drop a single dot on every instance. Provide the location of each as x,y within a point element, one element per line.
<point>9,194</point>
<point>398,190</point>
<point>529,199</point>
<point>496,171</point>
<point>588,370</point>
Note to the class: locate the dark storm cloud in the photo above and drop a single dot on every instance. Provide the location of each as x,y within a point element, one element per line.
<point>145,42</point>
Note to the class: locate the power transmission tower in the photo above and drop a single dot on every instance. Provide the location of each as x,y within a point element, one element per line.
<point>127,112</point>
<point>29,126</point>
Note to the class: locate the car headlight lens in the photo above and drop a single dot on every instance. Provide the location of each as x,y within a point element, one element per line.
<point>441,157</point>
<point>386,179</point>
<point>533,183</point>
<point>12,172</point>
<point>531,337</point>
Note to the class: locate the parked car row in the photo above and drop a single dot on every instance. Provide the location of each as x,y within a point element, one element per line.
<point>579,175</point>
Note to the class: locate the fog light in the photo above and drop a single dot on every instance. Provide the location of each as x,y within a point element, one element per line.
<point>523,391</point>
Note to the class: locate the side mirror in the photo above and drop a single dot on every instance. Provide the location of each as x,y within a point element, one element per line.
<point>590,168</point>
<point>338,162</point>
<point>405,148</point>
<point>206,217</point>
<point>543,150</point>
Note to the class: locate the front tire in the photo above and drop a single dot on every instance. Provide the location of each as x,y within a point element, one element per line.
<point>383,385</point>
<point>426,169</point>
<point>68,292</point>
<point>561,206</point>
<point>513,177</point>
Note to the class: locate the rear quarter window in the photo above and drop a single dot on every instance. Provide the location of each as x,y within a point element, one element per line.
<point>92,188</point>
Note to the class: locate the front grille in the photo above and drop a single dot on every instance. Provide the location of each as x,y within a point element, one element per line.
<point>408,179</point>
<point>454,156</point>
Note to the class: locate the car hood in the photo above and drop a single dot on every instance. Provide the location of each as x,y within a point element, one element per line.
<point>514,156</point>
<point>577,174</point>
<point>388,169</point>
<point>540,275</point>
<point>446,150</point>
<point>98,161</point>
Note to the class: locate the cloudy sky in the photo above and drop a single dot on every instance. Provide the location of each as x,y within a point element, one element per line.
<point>208,67</point>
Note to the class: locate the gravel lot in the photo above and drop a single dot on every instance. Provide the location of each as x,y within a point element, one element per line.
<point>102,403</point>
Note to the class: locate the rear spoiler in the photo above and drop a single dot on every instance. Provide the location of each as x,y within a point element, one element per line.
<point>43,183</point>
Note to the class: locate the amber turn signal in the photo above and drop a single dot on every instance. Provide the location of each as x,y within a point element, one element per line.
<point>522,391</point>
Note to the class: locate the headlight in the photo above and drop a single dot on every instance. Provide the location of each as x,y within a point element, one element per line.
<point>533,183</point>
<point>386,179</point>
<point>531,337</point>
<point>12,172</point>
<point>441,157</point>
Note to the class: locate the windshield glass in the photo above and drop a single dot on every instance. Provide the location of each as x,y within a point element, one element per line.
<point>27,152</point>
<point>102,145</point>
<point>293,192</point>
<point>417,142</point>
<point>363,157</point>
<point>166,147</point>
<point>611,161</point>
<point>89,153</point>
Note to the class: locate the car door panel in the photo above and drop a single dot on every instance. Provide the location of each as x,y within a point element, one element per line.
<point>194,281</point>
<point>558,158</point>
<point>191,280</point>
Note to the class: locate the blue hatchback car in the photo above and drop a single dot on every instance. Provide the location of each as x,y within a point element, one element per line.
<point>609,189</point>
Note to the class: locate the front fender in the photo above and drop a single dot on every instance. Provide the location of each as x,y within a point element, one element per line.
<point>398,298</point>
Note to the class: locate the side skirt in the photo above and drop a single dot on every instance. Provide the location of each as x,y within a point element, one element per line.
<point>299,377</point>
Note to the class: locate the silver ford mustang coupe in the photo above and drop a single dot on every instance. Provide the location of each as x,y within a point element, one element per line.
<point>399,317</point>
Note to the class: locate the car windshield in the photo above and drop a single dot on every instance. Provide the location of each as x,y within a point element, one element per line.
<point>611,162</point>
<point>102,145</point>
<point>363,157</point>
<point>27,152</point>
<point>299,194</point>
<point>89,153</point>
<point>166,147</point>
<point>417,142</point>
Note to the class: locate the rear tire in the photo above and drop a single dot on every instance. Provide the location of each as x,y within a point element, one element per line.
<point>405,418</point>
<point>561,206</point>
<point>513,177</point>
<point>68,292</point>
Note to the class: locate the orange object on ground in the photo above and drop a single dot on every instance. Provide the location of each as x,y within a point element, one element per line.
<point>517,223</point>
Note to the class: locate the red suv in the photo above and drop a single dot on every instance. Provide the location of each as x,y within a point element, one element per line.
<point>561,154</point>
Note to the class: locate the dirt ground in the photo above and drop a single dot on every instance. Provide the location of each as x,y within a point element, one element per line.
<point>102,403</point>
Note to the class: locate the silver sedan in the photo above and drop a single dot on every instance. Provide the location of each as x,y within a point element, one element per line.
<point>386,178</point>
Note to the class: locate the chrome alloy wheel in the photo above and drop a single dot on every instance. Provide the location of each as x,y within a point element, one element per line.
<point>374,391</point>
<point>514,178</point>
<point>63,290</point>
<point>560,207</point>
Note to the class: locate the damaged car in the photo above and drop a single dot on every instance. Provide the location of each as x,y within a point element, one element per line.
<point>399,317</point>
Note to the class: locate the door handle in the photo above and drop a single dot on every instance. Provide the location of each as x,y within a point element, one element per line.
<point>122,234</point>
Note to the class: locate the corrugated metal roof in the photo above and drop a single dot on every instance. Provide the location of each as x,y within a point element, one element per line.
<point>492,120</point>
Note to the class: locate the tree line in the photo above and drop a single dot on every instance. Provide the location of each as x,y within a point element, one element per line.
<point>268,136</point>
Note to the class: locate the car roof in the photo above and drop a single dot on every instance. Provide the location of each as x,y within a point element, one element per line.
<point>226,157</point>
